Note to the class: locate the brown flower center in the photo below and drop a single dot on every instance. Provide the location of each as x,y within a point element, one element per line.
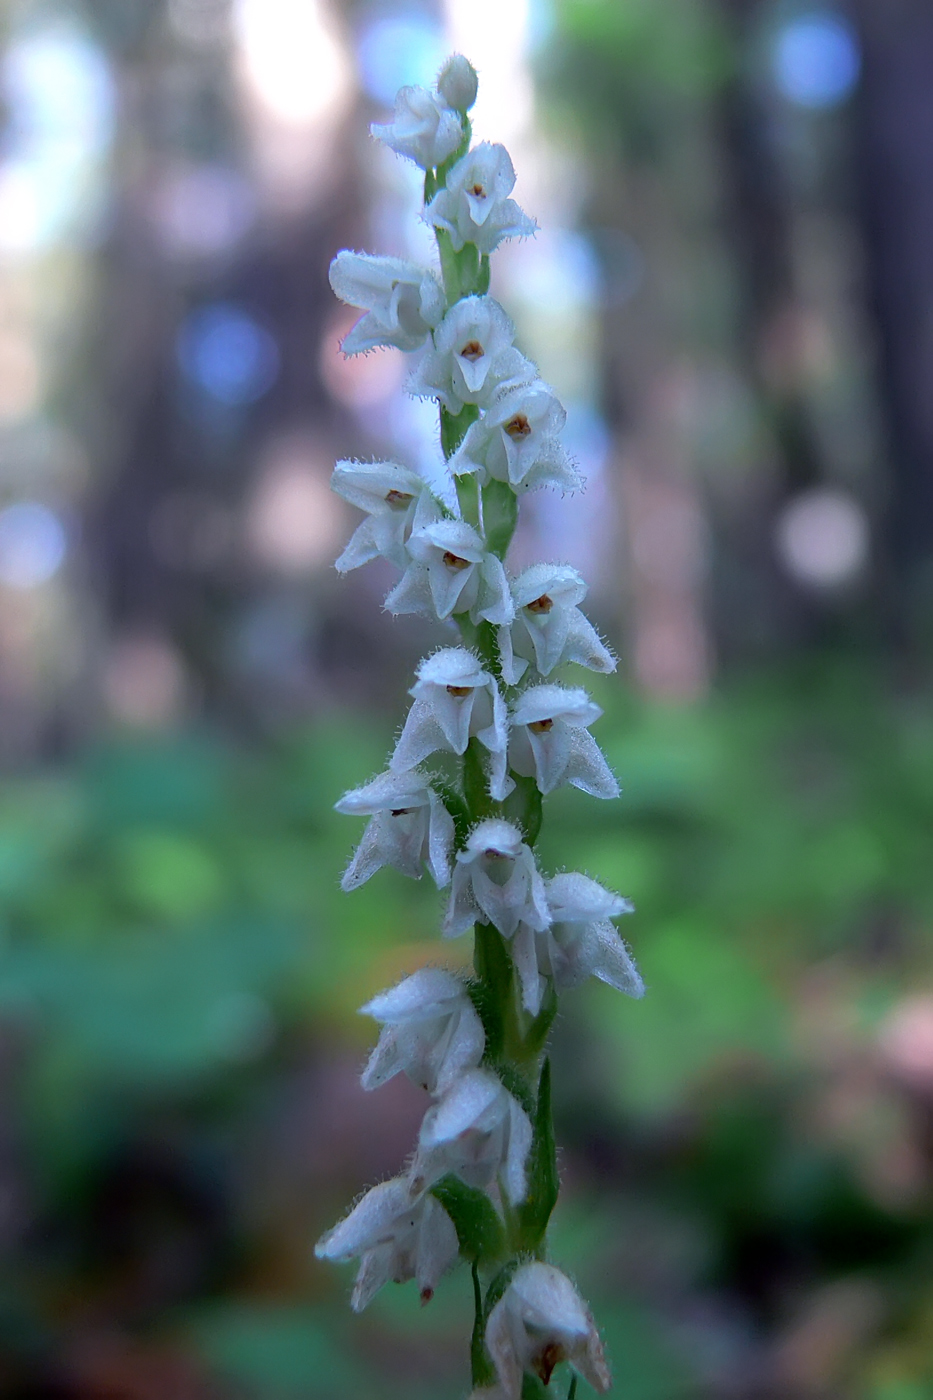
<point>544,604</point>
<point>459,690</point>
<point>472,351</point>
<point>541,726</point>
<point>401,811</point>
<point>492,854</point>
<point>398,500</point>
<point>518,426</point>
<point>549,1357</point>
<point>479,191</point>
<point>453,561</point>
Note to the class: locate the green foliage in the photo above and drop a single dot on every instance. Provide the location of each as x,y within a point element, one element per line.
<point>543,1181</point>
<point>174,935</point>
<point>479,1229</point>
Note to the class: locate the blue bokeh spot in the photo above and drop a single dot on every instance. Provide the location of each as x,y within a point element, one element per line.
<point>227,354</point>
<point>817,60</point>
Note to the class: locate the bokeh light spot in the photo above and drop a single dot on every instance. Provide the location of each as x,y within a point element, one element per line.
<point>822,538</point>
<point>227,354</point>
<point>817,60</point>
<point>32,544</point>
<point>399,50</point>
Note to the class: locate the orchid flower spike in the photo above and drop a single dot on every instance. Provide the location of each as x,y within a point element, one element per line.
<point>409,828</point>
<point>549,741</point>
<point>395,1238</point>
<point>483,1175</point>
<point>477,1131</point>
<point>431,1032</point>
<point>540,1321</point>
<point>393,498</point>
<point>402,302</point>
<point>455,699</point>
<point>496,881</point>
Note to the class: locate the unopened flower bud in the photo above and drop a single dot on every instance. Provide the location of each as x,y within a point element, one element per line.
<point>457,83</point>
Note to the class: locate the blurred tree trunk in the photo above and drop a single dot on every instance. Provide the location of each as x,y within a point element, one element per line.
<point>894,155</point>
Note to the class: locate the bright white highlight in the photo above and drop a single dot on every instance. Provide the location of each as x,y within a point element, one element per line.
<point>822,538</point>
<point>292,59</point>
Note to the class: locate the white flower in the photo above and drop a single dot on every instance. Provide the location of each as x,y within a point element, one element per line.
<point>409,826</point>
<point>393,498</point>
<point>450,571</point>
<point>425,129</point>
<point>473,358</point>
<point>403,302</point>
<point>431,1032</point>
<point>457,83</point>
<point>454,700</point>
<point>395,1238</point>
<point>549,629</point>
<point>549,740</point>
<point>518,440</point>
<point>539,1321</point>
<point>479,1132</point>
<point>474,207</point>
<point>496,880</point>
<point>581,942</point>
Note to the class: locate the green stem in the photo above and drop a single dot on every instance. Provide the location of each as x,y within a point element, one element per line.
<point>481,1371</point>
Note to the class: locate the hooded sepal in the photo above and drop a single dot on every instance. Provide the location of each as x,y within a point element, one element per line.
<point>409,827</point>
<point>496,881</point>
<point>477,1131</point>
<point>431,1032</point>
<point>549,739</point>
<point>395,1237</point>
<point>540,1321</point>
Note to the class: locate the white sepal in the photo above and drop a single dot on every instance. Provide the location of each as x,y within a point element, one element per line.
<point>409,825</point>
<point>431,1032</point>
<point>495,880</point>
<point>479,1132</point>
<point>394,1237</point>
<point>549,741</point>
<point>393,498</point>
<point>449,571</point>
<point>549,628</point>
<point>403,302</point>
<point>581,942</point>
<point>454,698</point>
<point>518,440</point>
<point>475,207</point>
<point>585,941</point>
<point>539,1321</point>
<point>473,358</point>
<point>425,129</point>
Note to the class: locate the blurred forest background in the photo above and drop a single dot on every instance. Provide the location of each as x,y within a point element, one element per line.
<point>733,293</point>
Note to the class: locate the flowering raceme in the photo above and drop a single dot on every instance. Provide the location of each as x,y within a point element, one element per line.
<point>489,733</point>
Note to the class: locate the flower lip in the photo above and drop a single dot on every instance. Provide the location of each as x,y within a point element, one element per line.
<point>494,838</point>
